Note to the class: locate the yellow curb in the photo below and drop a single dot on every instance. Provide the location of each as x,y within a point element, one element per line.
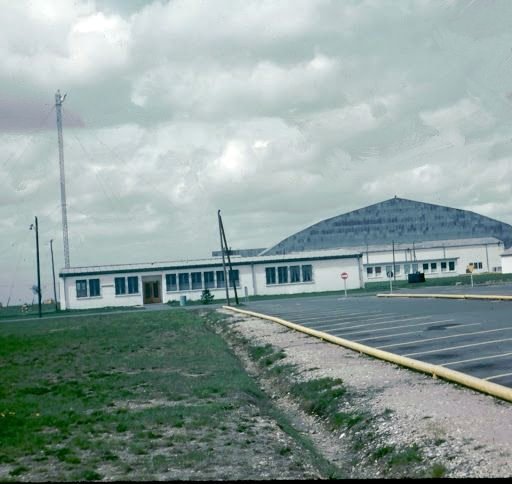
<point>436,371</point>
<point>450,296</point>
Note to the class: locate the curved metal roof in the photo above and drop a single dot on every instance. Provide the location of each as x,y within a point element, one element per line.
<point>395,220</point>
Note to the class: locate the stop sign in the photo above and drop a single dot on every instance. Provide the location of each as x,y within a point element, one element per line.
<point>344,275</point>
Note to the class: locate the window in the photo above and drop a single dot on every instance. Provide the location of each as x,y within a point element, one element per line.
<point>170,282</point>
<point>478,265</point>
<point>443,266</point>
<point>307,273</point>
<point>407,268</point>
<point>294,273</point>
<point>378,270</point>
<point>282,275</point>
<point>120,283</point>
<point>415,268</point>
<point>94,287</point>
<point>425,267</point>
<point>196,280</point>
<point>270,273</point>
<point>369,271</point>
<point>389,269</point>
<point>184,282</point>
<point>81,288</point>
<point>433,266</point>
<point>221,280</point>
<point>133,285</point>
<point>209,281</point>
<point>397,268</point>
<point>234,276</point>
<point>451,265</point>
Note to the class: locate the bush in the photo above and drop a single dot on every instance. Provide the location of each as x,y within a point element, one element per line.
<point>207,297</point>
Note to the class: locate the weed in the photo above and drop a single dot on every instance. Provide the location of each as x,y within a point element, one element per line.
<point>406,456</point>
<point>91,476</point>
<point>438,470</point>
<point>383,451</point>
<point>18,470</point>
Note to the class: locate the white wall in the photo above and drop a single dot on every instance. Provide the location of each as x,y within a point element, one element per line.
<point>488,255</point>
<point>506,264</point>
<point>107,297</point>
<point>326,277</point>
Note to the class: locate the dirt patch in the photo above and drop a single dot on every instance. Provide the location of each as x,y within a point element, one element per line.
<point>414,425</point>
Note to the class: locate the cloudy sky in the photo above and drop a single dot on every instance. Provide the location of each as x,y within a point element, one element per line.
<point>280,113</point>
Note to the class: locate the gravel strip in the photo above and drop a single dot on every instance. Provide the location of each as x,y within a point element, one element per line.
<point>468,433</point>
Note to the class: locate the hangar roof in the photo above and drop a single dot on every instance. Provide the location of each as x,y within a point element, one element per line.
<point>396,219</point>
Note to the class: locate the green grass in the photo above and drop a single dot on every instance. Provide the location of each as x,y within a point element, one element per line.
<point>78,393</point>
<point>32,311</point>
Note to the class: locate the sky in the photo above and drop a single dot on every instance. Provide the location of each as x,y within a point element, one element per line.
<point>278,113</point>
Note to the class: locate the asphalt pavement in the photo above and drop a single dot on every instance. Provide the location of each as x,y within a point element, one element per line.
<point>470,336</point>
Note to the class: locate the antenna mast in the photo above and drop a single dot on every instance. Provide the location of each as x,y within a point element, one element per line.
<point>58,108</point>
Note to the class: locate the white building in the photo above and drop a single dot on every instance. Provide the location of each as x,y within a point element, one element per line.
<point>161,282</point>
<point>438,258</point>
<point>299,272</point>
<point>506,261</point>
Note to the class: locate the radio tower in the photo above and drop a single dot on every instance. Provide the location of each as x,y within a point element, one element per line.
<point>58,108</point>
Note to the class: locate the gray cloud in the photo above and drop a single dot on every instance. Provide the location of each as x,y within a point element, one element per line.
<point>279,113</point>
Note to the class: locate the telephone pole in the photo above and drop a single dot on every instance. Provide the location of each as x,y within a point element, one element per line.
<point>58,108</point>
<point>226,283</point>
<point>53,272</point>
<point>223,234</point>
<point>38,268</point>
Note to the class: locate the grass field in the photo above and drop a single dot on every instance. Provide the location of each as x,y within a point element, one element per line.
<point>137,396</point>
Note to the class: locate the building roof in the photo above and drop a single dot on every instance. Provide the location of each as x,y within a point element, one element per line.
<point>212,262</point>
<point>396,219</point>
<point>507,253</point>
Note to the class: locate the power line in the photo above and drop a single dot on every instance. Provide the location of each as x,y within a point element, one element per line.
<point>31,138</point>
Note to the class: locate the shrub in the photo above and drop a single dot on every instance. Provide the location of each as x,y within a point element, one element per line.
<point>207,296</point>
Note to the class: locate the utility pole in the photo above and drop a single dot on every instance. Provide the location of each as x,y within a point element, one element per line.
<point>38,268</point>
<point>58,108</point>
<point>223,259</point>
<point>53,272</point>
<point>394,270</point>
<point>229,258</point>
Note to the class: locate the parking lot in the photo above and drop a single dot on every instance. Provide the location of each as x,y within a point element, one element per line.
<point>470,336</point>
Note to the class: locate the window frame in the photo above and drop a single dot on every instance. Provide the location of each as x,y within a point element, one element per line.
<point>92,284</point>
<point>270,276</point>
<point>184,280</point>
<point>120,286</point>
<point>81,288</point>
<point>282,274</point>
<point>294,274</point>
<point>196,281</point>
<point>171,286</point>
<point>220,282</point>
<point>306,271</point>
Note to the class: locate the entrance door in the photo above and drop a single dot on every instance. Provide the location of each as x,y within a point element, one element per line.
<point>152,292</point>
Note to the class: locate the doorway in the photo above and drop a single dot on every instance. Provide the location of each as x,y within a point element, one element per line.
<point>152,292</point>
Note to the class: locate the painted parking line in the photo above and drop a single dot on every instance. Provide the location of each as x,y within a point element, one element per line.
<point>353,317</point>
<point>340,325</point>
<point>461,335</point>
<point>326,316</point>
<point>408,326</point>
<point>497,376</point>
<point>471,360</point>
<point>439,350</point>
<point>401,334</point>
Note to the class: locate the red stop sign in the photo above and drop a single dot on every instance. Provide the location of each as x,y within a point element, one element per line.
<point>344,275</point>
